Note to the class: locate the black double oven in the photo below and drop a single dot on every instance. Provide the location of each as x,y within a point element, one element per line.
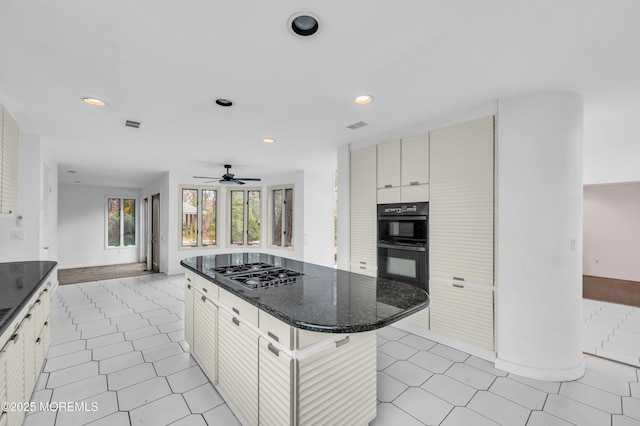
<point>403,243</point>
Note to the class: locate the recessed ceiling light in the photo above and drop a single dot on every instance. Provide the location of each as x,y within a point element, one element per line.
<point>303,24</point>
<point>94,101</point>
<point>268,140</point>
<point>363,99</point>
<point>224,102</point>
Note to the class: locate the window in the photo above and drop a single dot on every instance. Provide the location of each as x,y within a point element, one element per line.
<point>121,222</point>
<point>199,217</point>
<point>282,217</point>
<point>245,208</point>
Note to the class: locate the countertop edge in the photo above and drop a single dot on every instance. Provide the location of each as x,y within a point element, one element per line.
<point>308,326</point>
<point>22,304</point>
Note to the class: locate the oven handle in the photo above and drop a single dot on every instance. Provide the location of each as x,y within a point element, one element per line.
<point>398,247</point>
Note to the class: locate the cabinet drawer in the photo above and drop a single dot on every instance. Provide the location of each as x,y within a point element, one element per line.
<point>389,195</point>
<point>207,287</point>
<point>276,329</point>
<point>414,193</point>
<point>243,309</point>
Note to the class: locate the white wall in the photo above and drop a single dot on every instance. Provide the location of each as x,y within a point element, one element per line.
<point>81,227</point>
<point>612,231</point>
<point>32,206</point>
<point>318,218</point>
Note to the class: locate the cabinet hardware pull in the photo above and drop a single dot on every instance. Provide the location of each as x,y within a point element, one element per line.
<point>236,321</point>
<point>38,301</point>
<point>458,285</point>
<point>363,267</point>
<point>38,340</point>
<point>415,182</point>
<point>273,349</point>
<point>363,263</point>
<point>189,286</point>
<point>342,342</point>
<point>235,310</point>
<point>15,337</point>
<point>45,290</point>
<point>205,290</point>
<point>28,316</point>
<point>46,323</point>
<point>458,278</point>
<point>273,336</point>
<point>388,186</point>
<point>204,299</point>
<point>189,279</point>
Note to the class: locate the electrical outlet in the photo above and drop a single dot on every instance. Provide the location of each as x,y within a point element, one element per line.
<point>17,235</point>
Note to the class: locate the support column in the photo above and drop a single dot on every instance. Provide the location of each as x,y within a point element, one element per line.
<point>540,236</point>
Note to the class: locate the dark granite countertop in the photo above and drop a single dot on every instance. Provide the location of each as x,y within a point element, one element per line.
<point>326,300</point>
<point>19,281</point>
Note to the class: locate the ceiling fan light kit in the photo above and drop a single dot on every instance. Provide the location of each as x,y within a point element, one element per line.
<point>228,178</point>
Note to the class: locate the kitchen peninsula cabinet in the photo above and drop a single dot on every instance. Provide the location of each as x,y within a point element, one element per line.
<point>363,235</point>
<point>24,331</point>
<point>300,351</point>
<point>461,231</point>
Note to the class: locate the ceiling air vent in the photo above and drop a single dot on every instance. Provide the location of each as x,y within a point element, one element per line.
<point>357,125</point>
<point>131,123</point>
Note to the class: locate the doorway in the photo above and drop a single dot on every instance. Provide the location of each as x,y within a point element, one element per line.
<point>155,233</point>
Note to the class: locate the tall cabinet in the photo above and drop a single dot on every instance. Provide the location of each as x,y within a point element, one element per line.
<point>461,237</point>
<point>363,227</point>
<point>9,136</point>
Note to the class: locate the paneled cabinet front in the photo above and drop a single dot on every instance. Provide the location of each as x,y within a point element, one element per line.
<point>363,238</point>
<point>205,335</point>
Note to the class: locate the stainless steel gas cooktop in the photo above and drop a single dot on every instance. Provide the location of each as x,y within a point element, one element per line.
<point>258,275</point>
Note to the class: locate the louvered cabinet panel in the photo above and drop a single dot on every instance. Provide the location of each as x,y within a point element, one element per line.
<point>275,385</point>
<point>337,384</point>
<point>205,336</point>
<point>420,319</point>
<point>14,356</point>
<point>29,341</point>
<point>415,160</point>
<point>462,311</point>
<point>9,158</point>
<point>461,208</point>
<point>188,313</point>
<point>42,347</point>
<point>363,206</point>
<point>238,365</point>
<point>388,164</point>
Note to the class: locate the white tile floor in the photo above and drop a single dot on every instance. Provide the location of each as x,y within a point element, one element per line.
<point>119,344</point>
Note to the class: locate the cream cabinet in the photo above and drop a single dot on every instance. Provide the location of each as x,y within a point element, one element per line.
<point>461,208</point>
<point>238,365</point>
<point>23,349</point>
<point>189,294</point>
<point>275,390</point>
<point>363,226</point>
<point>9,147</point>
<point>463,311</point>
<point>403,170</point>
<point>205,335</point>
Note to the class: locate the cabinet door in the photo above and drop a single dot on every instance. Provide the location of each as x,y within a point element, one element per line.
<point>275,385</point>
<point>14,357</point>
<point>9,145</point>
<point>415,160</point>
<point>363,206</point>
<point>188,314</point>
<point>461,207</point>
<point>462,311</point>
<point>29,341</point>
<point>238,365</point>
<point>205,336</point>
<point>3,385</point>
<point>389,195</point>
<point>388,164</point>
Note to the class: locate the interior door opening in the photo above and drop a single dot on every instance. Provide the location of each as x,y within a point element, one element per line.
<point>155,233</point>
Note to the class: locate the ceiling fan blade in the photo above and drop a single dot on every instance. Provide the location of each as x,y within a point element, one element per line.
<point>205,177</point>
<point>239,182</point>
<point>252,179</point>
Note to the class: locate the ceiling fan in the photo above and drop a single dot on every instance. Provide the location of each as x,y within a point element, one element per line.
<point>228,178</point>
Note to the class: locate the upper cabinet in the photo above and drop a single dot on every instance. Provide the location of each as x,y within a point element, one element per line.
<point>403,170</point>
<point>363,211</point>
<point>9,137</point>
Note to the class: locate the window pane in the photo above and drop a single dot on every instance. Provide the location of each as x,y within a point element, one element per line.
<point>189,217</point>
<point>277,218</point>
<point>253,218</point>
<point>208,217</point>
<point>113,227</point>
<point>288,217</point>
<point>237,217</point>
<point>129,222</point>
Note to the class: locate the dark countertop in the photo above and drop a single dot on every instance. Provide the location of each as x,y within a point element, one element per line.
<point>326,300</point>
<point>19,281</point>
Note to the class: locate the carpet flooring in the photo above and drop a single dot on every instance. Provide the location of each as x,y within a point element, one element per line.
<point>101,273</point>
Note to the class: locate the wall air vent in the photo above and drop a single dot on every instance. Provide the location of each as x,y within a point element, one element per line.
<point>131,123</point>
<point>357,125</point>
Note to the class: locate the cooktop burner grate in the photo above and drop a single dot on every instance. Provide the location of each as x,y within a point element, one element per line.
<point>242,268</point>
<point>267,278</point>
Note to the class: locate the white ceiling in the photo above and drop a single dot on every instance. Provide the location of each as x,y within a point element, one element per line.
<point>163,62</point>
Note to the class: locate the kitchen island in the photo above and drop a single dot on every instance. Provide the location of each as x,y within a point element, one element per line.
<point>288,342</point>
